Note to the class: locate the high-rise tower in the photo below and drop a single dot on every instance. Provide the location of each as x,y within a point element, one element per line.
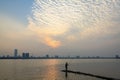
<point>15,52</point>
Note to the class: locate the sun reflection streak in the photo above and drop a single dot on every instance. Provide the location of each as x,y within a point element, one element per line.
<point>51,71</point>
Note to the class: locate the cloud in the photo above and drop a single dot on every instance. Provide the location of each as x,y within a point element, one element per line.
<point>71,22</point>
<point>47,34</point>
<point>51,42</point>
<point>68,26</point>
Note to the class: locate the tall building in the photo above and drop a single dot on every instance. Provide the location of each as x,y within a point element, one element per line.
<point>117,56</point>
<point>25,55</point>
<point>47,56</point>
<point>15,53</point>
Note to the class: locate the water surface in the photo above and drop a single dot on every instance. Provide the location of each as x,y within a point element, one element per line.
<point>50,69</point>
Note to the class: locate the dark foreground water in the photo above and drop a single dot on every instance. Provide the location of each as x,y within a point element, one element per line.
<point>50,69</point>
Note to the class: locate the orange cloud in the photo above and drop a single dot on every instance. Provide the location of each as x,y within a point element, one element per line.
<point>52,43</point>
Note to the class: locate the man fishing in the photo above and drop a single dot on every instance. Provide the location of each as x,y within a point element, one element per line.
<point>66,66</point>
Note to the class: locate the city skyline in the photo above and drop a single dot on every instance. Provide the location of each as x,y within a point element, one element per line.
<point>27,55</point>
<point>60,27</point>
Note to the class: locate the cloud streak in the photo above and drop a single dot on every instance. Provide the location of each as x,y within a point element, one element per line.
<point>73,19</point>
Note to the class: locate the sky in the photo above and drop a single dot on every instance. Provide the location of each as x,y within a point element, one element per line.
<point>60,27</point>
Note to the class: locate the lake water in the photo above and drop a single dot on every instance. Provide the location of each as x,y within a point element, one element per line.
<point>50,69</point>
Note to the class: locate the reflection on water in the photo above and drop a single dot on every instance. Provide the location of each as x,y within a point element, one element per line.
<point>51,72</point>
<point>50,69</point>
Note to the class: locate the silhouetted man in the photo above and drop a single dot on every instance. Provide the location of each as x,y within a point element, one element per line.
<point>66,66</point>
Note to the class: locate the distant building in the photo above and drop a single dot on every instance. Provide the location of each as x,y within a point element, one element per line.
<point>47,56</point>
<point>15,53</point>
<point>56,56</point>
<point>77,56</point>
<point>25,55</point>
<point>117,56</point>
<point>8,56</point>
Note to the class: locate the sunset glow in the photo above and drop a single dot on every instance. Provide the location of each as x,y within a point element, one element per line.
<point>52,43</point>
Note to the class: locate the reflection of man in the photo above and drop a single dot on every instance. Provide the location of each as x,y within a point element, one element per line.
<point>66,66</point>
